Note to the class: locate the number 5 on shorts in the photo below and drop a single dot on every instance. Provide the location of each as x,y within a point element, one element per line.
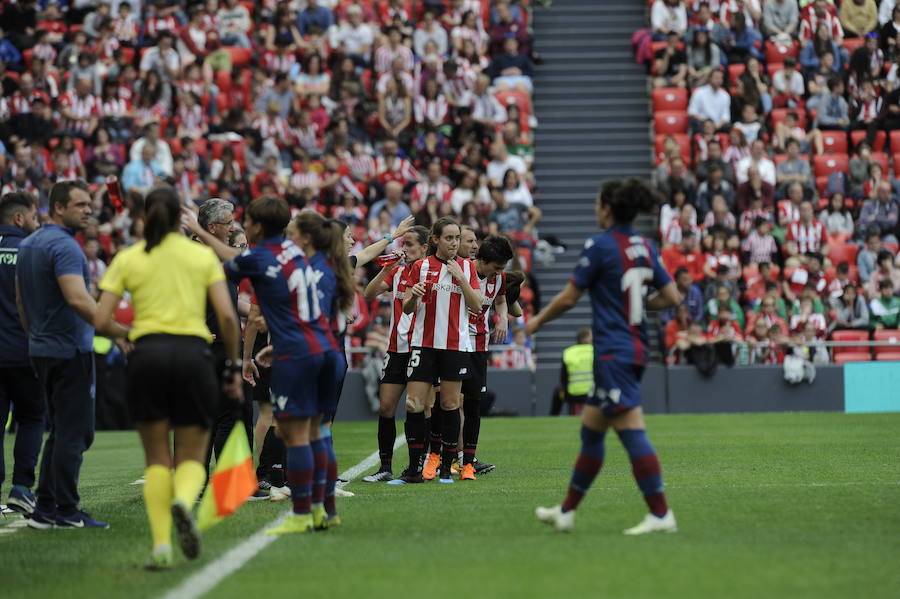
<point>414,358</point>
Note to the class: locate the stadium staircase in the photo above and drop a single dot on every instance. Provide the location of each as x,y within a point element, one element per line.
<point>592,104</point>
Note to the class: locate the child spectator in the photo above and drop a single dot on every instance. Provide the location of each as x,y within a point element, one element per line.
<point>884,310</point>
<point>850,310</point>
<point>759,246</point>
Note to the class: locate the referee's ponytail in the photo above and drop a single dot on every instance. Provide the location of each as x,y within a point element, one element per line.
<point>627,198</point>
<point>162,210</point>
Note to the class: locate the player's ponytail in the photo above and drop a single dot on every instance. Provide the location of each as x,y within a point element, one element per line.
<point>421,234</point>
<point>514,280</point>
<point>162,210</point>
<point>327,236</point>
<point>626,199</point>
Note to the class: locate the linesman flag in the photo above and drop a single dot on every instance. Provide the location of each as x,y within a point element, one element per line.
<point>231,483</point>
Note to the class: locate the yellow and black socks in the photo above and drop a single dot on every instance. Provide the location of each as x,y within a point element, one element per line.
<point>158,501</point>
<point>190,475</point>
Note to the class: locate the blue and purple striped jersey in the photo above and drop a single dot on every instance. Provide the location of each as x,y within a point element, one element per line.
<point>284,283</point>
<point>616,267</point>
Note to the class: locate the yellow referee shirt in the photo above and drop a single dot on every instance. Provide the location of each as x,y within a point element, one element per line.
<point>168,285</point>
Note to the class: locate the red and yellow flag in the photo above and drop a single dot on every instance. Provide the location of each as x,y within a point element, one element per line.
<point>231,483</point>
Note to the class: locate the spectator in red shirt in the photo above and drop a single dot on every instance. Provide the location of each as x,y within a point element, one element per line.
<point>810,273</point>
<point>767,314</point>
<point>687,255</point>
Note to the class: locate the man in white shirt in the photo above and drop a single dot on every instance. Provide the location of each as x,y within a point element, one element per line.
<point>501,162</point>
<point>712,102</point>
<point>758,160</point>
<point>355,36</point>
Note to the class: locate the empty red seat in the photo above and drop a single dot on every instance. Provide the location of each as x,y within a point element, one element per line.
<point>735,71</point>
<point>670,98</point>
<point>891,356</point>
<point>852,43</point>
<point>774,67</point>
<point>877,143</point>
<point>882,159</point>
<point>850,336</point>
<point>826,164</point>
<point>834,142</point>
<point>670,121</point>
<point>891,336</point>
<point>851,357</point>
<point>843,252</point>
<point>895,142</point>
<point>778,52</point>
<point>127,54</point>
<point>891,246</point>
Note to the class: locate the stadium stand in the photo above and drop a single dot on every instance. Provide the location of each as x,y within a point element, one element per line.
<point>325,105</point>
<point>823,74</point>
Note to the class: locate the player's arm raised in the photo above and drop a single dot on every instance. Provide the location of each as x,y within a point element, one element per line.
<point>373,251</point>
<point>564,301</point>
<point>377,286</point>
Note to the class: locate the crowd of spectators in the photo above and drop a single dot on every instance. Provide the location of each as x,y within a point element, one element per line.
<point>777,126</point>
<point>366,111</point>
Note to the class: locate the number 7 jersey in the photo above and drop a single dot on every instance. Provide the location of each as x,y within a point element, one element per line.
<point>617,267</point>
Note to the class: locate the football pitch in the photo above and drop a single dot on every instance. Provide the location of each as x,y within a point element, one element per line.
<point>768,505</point>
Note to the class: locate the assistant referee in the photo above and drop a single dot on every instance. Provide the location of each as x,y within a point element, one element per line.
<point>171,379</point>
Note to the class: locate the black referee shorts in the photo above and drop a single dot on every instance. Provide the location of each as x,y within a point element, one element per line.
<point>172,377</point>
<point>476,384</point>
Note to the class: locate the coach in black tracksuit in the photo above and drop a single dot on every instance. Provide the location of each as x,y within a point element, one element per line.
<point>19,385</point>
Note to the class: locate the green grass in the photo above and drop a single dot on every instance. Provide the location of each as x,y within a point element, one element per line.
<point>771,505</point>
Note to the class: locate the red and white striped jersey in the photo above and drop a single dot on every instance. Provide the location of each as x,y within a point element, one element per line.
<point>191,117</point>
<point>400,329</point>
<point>385,55</point>
<point>300,181</point>
<point>362,167</point>
<point>279,63</point>
<point>788,212</point>
<point>397,169</point>
<point>113,107</point>
<point>422,190</point>
<point>801,277</point>
<point>125,29</point>
<point>45,52</point>
<point>82,107</point>
<point>430,111</point>
<point>809,238</point>
<point>106,49</point>
<point>442,322</point>
<point>156,25</point>
<point>277,128</point>
<point>480,324</point>
<point>20,104</point>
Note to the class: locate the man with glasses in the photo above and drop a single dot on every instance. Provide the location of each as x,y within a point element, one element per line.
<point>217,216</point>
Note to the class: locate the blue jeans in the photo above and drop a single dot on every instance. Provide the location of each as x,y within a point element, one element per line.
<point>20,388</point>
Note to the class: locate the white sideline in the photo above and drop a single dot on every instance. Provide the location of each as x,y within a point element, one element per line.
<point>206,579</point>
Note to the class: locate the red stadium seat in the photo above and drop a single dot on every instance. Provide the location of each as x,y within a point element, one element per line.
<point>223,81</point>
<point>890,246</point>
<point>877,143</point>
<point>888,357</point>
<point>896,163</point>
<point>826,164</point>
<point>774,67</point>
<point>670,98</point>
<point>735,71</point>
<point>835,142</point>
<point>852,43</point>
<point>27,57</point>
<point>777,115</point>
<point>850,336</point>
<point>882,159</point>
<point>128,54</point>
<point>843,252</point>
<point>240,57</point>
<point>851,357</point>
<point>895,142</point>
<point>670,121</point>
<point>174,145</point>
<point>891,336</point>
<point>778,52</point>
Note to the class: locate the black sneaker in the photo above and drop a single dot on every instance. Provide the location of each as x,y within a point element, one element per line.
<point>482,467</point>
<point>186,527</point>
<point>408,478</point>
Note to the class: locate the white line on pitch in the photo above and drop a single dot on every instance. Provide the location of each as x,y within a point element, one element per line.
<point>206,579</point>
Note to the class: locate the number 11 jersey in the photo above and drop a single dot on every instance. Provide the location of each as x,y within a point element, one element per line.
<point>617,267</point>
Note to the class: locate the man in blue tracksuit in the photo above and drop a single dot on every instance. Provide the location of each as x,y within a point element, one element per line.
<point>19,385</point>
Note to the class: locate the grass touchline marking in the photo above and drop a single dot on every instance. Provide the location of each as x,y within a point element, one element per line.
<point>207,578</point>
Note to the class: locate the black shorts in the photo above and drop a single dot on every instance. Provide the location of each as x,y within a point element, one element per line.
<point>476,384</point>
<point>172,377</point>
<point>393,370</point>
<point>261,392</point>
<point>427,364</point>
